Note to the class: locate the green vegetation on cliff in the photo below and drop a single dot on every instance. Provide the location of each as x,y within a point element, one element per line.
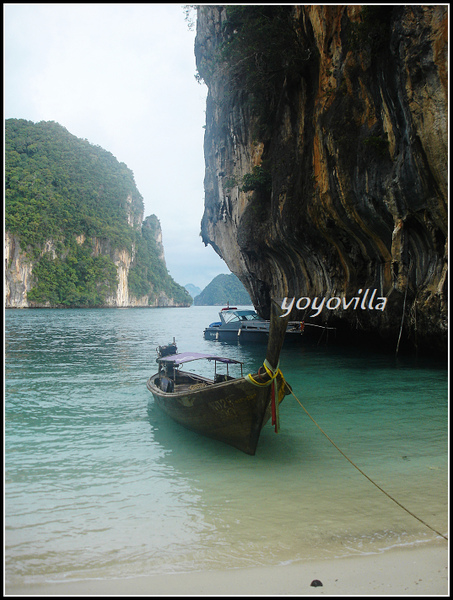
<point>223,289</point>
<point>58,186</point>
<point>72,205</point>
<point>149,271</point>
<point>79,279</point>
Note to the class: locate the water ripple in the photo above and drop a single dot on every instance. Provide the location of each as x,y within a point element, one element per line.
<point>100,482</point>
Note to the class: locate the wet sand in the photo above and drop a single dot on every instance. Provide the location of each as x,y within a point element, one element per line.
<point>421,570</point>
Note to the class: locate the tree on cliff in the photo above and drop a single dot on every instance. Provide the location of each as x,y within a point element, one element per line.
<point>72,206</point>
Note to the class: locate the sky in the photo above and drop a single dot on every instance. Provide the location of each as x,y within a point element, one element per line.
<point>122,76</point>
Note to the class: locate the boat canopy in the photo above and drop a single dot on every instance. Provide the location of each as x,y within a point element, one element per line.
<point>183,357</point>
<point>230,315</point>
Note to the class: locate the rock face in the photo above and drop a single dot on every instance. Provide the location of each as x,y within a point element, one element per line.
<point>18,274</point>
<point>339,184</point>
<point>74,229</point>
<point>19,277</point>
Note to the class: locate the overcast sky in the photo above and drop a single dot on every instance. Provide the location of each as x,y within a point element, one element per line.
<point>122,76</point>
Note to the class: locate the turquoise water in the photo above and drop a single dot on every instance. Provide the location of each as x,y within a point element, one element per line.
<point>100,483</point>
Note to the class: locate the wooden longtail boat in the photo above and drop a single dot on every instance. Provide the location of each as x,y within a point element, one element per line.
<point>231,410</point>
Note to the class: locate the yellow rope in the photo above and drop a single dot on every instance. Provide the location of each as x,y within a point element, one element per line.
<point>272,374</point>
<point>364,474</point>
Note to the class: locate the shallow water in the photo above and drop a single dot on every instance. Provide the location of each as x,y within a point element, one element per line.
<point>100,483</point>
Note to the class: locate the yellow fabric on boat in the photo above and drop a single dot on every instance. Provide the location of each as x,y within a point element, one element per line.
<point>272,374</point>
<point>275,401</point>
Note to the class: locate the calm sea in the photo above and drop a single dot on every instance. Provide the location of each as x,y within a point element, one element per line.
<point>100,483</point>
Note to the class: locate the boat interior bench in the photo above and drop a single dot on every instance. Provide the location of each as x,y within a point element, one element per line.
<point>166,384</point>
<point>221,377</point>
<point>187,382</point>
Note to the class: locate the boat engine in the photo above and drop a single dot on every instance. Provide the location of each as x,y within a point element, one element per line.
<point>167,350</point>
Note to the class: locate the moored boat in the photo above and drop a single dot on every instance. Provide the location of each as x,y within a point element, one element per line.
<point>230,409</point>
<point>245,325</point>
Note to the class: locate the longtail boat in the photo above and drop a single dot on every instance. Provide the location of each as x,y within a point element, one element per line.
<point>231,410</point>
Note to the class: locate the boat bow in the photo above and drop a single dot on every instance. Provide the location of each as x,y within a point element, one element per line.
<point>231,410</point>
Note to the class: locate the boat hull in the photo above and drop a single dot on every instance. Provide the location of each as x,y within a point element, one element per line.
<point>246,326</point>
<point>223,334</point>
<point>233,335</point>
<point>233,412</point>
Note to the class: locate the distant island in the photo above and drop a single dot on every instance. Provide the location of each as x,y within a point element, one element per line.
<point>223,289</point>
<point>193,289</point>
<point>74,229</point>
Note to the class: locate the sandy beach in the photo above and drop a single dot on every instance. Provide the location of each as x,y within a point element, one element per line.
<point>410,571</point>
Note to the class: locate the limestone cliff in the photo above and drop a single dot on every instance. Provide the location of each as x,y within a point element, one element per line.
<point>326,159</point>
<point>19,278</point>
<point>74,229</point>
